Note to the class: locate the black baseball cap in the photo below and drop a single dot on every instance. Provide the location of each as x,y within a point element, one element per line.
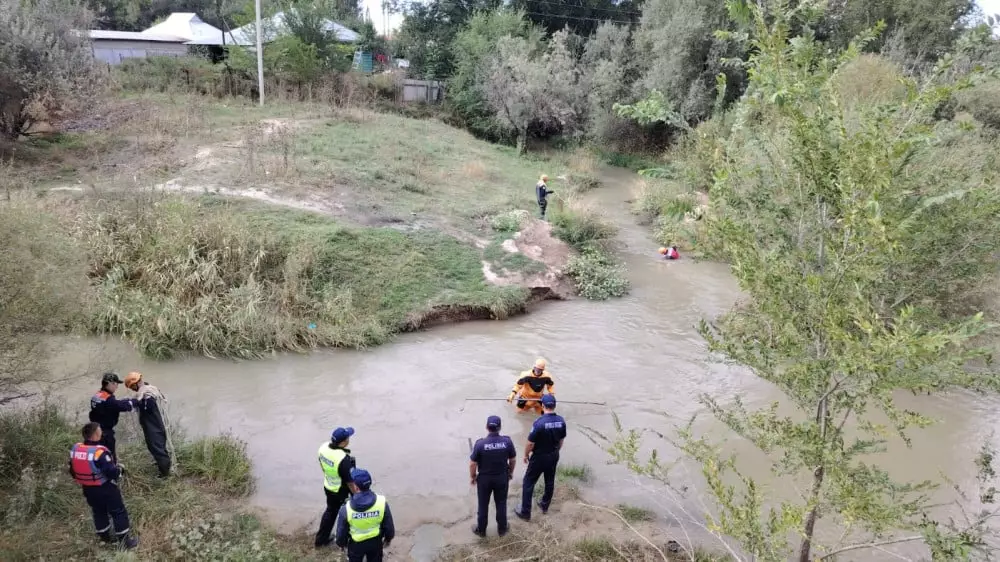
<point>110,377</point>
<point>493,422</point>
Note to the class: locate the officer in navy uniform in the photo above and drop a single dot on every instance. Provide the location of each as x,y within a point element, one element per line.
<point>541,454</point>
<point>105,409</point>
<point>364,524</point>
<point>492,465</point>
<point>94,468</point>
<point>336,461</point>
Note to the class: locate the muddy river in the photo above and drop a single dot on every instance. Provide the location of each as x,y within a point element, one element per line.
<point>641,354</point>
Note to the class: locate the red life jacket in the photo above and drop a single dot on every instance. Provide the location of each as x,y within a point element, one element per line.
<point>81,463</point>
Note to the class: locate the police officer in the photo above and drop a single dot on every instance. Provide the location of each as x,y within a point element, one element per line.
<point>364,525</point>
<point>93,467</point>
<point>494,458</point>
<point>105,409</point>
<point>541,454</point>
<point>336,461</point>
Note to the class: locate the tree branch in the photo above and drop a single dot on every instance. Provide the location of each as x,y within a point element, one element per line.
<point>871,545</point>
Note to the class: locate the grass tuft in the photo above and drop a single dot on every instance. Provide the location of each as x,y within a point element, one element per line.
<point>220,461</point>
<point>578,472</point>
<point>634,514</point>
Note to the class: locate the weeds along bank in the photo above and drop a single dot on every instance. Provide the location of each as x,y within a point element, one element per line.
<point>959,151</point>
<point>188,224</point>
<point>198,514</point>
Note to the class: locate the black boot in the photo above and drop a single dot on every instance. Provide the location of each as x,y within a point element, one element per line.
<point>127,542</point>
<point>105,536</point>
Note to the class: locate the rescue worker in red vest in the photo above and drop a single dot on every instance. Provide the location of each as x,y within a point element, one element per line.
<point>530,386</point>
<point>670,253</point>
<point>154,430</point>
<point>364,525</point>
<point>93,467</point>
<point>105,409</point>
<point>336,461</point>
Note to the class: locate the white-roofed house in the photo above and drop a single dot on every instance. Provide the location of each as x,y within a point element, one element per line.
<point>188,26</point>
<point>112,47</point>
<point>274,27</point>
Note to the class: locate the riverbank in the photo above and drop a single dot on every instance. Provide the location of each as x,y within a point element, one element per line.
<point>220,228</point>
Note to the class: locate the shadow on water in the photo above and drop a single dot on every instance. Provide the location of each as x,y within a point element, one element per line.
<point>641,354</point>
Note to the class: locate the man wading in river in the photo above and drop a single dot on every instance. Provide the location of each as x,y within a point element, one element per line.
<point>336,461</point>
<point>151,420</point>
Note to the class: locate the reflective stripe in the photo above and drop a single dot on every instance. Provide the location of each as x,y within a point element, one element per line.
<point>329,460</point>
<point>367,524</point>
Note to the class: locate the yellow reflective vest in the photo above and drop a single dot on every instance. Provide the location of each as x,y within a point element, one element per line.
<point>366,524</point>
<point>329,460</point>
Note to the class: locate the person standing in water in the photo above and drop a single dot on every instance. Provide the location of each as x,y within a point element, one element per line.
<point>530,386</point>
<point>154,430</point>
<point>541,193</point>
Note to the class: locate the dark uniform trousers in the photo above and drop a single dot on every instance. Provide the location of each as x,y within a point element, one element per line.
<point>497,486</point>
<point>365,551</point>
<point>333,502</point>
<point>540,465</point>
<point>108,440</point>
<point>106,503</point>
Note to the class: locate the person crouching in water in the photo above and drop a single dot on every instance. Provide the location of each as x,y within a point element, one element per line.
<point>530,386</point>
<point>149,399</point>
<point>364,524</point>
<point>670,253</point>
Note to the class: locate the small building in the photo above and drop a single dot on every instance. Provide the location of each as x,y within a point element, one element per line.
<point>275,26</point>
<point>112,47</point>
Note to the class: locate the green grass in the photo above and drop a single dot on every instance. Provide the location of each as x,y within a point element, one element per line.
<point>195,514</point>
<point>596,275</point>
<point>634,514</point>
<point>393,166</point>
<point>633,162</point>
<point>253,280</point>
<point>573,472</point>
<point>511,262</point>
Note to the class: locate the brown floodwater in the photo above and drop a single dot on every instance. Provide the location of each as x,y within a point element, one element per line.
<point>641,354</point>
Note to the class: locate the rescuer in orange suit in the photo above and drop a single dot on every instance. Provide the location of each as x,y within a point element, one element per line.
<point>530,387</point>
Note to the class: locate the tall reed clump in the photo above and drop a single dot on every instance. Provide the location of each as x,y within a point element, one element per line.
<point>227,280</point>
<point>594,272</point>
<point>192,515</point>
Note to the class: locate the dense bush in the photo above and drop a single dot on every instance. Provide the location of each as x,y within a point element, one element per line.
<point>596,276</point>
<point>47,67</point>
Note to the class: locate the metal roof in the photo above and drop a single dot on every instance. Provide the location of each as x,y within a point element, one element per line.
<point>247,35</point>
<point>188,26</point>
<point>132,36</point>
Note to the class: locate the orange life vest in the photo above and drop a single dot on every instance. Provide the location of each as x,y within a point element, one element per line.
<point>81,463</point>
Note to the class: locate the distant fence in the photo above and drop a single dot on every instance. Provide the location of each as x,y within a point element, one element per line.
<point>430,91</point>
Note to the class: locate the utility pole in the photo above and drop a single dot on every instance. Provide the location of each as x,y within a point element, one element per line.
<point>260,57</point>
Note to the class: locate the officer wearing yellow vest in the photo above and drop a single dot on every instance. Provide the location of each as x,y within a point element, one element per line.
<point>364,525</point>
<point>336,461</point>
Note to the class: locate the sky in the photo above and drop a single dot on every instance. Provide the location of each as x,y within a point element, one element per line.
<point>375,7</point>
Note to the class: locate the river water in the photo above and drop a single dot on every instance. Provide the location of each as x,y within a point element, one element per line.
<point>641,354</point>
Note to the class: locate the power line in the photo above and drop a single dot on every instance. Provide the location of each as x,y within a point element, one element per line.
<point>629,22</point>
<point>563,4</point>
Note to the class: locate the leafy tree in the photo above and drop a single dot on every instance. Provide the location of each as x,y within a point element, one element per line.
<point>582,17</point>
<point>473,48</point>
<point>46,66</point>
<point>927,28</point>
<point>608,72</point>
<point>526,89</point>
<point>426,35</point>
<point>683,56</point>
<point>858,251</point>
